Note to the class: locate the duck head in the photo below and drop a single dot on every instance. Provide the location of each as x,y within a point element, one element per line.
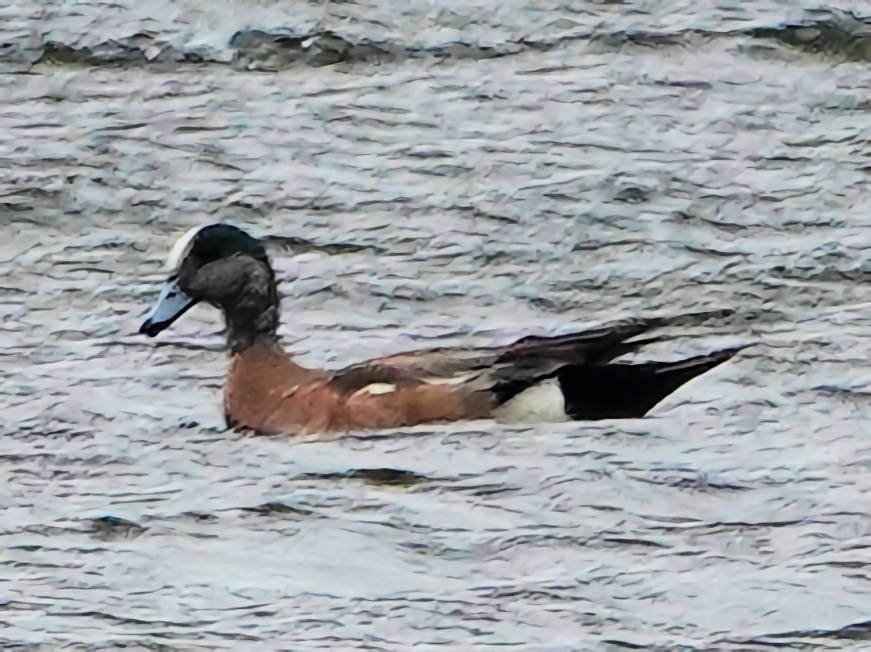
<point>226,267</point>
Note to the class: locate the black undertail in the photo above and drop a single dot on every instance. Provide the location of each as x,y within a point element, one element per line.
<point>629,391</point>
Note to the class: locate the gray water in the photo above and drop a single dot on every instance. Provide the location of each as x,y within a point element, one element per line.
<point>437,173</point>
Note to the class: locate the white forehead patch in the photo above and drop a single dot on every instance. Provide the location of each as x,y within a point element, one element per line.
<point>181,247</point>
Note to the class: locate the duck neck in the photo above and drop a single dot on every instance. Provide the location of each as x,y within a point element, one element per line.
<point>253,314</point>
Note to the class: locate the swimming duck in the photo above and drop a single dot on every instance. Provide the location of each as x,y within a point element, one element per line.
<point>539,378</point>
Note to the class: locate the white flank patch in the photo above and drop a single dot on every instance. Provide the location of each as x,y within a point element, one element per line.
<point>181,247</point>
<point>543,403</point>
<point>375,389</point>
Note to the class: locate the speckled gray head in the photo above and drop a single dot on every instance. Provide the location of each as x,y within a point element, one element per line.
<point>195,262</point>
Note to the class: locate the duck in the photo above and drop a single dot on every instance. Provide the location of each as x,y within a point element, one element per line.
<point>575,376</point>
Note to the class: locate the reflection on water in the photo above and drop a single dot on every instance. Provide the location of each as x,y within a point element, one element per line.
<point>468,173</point>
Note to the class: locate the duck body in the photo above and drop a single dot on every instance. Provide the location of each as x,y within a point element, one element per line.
<point>269,393</point>
<point>571,376</point>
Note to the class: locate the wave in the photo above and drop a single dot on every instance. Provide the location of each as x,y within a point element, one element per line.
<point>842,35</point>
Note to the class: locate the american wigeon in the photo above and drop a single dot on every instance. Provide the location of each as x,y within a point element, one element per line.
<point>535,378</point>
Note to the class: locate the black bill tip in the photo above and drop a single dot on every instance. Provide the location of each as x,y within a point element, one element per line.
<point>172,303</point>
<point>151,328</point>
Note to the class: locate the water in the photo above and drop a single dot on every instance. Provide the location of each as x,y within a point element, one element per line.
<point>460,172</point>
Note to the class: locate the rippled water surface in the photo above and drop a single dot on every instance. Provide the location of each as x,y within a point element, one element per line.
<point>433,173</point>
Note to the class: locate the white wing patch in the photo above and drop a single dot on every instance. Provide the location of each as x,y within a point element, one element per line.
<point>181,247</point>
<point>451,380</point>
<point>375,389</point>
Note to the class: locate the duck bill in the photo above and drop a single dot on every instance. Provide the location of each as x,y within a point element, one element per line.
<point>171,304</point>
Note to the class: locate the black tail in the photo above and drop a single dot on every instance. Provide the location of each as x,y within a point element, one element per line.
<point>629,391</point>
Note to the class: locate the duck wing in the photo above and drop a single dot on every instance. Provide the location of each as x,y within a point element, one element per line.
<point>525,360</point>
